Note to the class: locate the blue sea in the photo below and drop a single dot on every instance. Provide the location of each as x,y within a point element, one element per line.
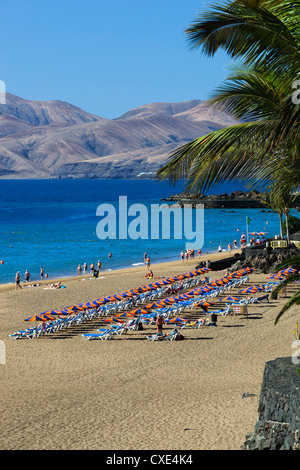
<point>53,224</point>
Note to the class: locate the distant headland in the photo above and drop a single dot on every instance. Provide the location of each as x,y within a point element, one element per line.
<point>234,200</point>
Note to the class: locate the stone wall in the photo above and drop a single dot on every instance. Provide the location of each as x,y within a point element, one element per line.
<point>278,423</point>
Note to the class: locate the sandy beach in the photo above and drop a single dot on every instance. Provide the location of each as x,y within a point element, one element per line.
<point>59,392</point>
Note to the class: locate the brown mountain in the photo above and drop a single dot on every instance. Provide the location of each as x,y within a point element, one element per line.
<point>53,139</point>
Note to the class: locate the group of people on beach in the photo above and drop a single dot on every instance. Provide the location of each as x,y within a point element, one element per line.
<point>27,277</point>
<point>189,254</point>
<point>94,270</point>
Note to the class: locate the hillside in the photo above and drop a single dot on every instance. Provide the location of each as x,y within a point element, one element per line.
<point>54,139</point>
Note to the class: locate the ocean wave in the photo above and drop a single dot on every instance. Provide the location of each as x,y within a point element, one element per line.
<point>137,264</point>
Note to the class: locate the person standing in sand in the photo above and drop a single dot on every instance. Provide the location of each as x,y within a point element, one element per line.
<point>79,269</point>
<point>17,281</point>
<point>159,323</point>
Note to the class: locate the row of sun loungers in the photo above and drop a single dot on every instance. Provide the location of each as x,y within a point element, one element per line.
<point>112,308</point>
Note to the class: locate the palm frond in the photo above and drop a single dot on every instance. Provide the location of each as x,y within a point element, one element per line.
<point>288,280</point>
<point>294,300</point>
<point>246,29</point>
<point>292,262</point>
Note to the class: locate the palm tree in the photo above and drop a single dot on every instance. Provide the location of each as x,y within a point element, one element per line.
<point>266,138</point>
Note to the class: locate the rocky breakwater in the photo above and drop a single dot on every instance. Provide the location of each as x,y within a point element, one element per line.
<point>234,200</point>
<point>278,423</point>
<point>263,259</point>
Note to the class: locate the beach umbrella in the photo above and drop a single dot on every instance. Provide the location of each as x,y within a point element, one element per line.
<point>168,302</point>
<point>100,301</point>
<point>138,310</point>
<point>35,318</point>
<point>74,308</point>
<point>229,299</point>
<point>250,290</point>
<point>163,282</point>
<point>134,291</point>
<point>204,304</point>
<point>216,283</point>
<point>90,304</point>
<point>246,291</point>
<point>124,314</point>
<point>288,271</point>
<point>118,296</point>
<point>111,298</point>
<point>111,319</point>
<point>87,305</point>
<point>176,320</point>
<point>170,299</point>
<point>127,294</point>
<point>154,305</point>
<point>225,280</point>
<point>52,312</point>
<point>249,270</point>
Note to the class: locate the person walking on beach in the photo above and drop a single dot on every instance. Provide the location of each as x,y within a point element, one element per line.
<point>182,256</point>
<point>42,274</point>
<point>99,264</point>
<point>79,269</point>
<point>199,253</point>
<point>159,323</point>
<point>27,276</point>
<point>17,280</point>
<point>85,268</point>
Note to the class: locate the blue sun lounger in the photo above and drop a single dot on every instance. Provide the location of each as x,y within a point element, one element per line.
<point>104,336</point>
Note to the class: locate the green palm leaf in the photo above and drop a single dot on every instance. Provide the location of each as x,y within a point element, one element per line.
<point>294,300</point>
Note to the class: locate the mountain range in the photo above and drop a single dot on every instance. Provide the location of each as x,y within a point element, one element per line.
<point>54,139</point>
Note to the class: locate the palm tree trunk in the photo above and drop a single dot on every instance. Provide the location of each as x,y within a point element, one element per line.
<point>286,213</point>
<point>281,228</point>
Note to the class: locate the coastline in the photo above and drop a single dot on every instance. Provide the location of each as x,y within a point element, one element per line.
<point>212,256</point>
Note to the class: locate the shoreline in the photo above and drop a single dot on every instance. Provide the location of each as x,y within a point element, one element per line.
<point>213,256</point>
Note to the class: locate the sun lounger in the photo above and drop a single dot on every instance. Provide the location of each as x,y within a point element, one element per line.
<point>162,337</point>
<point>102,336</point>
<point>22,334</point>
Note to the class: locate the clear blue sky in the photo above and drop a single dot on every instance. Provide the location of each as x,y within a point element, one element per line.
<point>105,56</point>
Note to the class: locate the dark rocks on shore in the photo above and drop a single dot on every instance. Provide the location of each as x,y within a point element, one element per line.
<point>236,199</point>
<point>278,423</point>
<point>264,260</point>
